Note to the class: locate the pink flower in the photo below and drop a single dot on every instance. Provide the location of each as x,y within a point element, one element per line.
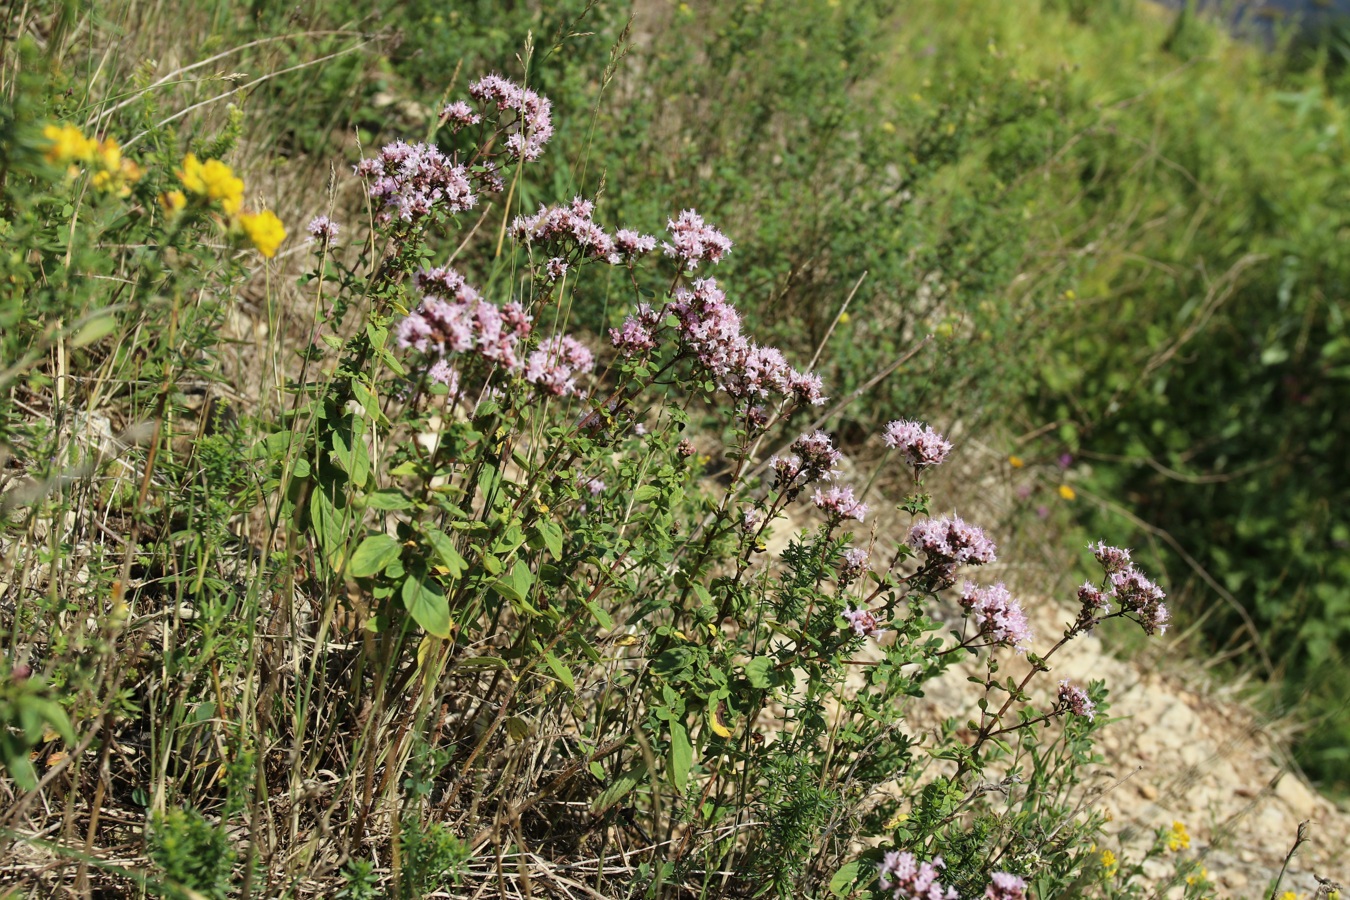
<point>852,564</point>
<point>557,362</point>
<point>1075,699</point>
<point>998,615</point>
<point>412,180</point>
<point>322,229</point>
<point>693,241</point>
<point>1137,594</point>
<point>533,124</point>
<point>592,485</point>
<point>920,445</point>
<point>1003,886</point>
<point>952,541</point>
<point>863,623</point>
<point>905,878</point>
<point>1112,559</point>
<point>563,227</point>
<point>839,503</point>
<point>459,114</point>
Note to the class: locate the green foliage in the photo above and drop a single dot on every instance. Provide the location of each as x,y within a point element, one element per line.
<point>193,855</point>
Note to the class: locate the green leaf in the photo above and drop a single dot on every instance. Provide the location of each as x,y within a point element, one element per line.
<point>759,672</point>
<point>842,882</point>
<point>681,755</point>
<point>375,552</point>
<point>551,534</point>
<point>646,494</point>
<point>445,551</point>
<point>387,499</point>
<point>620,787</point>
<point>561,671</point>
<point>516,584</point>
<point>428,607</point>
<point>95,330</point>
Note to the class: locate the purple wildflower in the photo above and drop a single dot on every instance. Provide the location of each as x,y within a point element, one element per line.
<point>1112,559</point>
<point>952,541</point>
<point>533,125</point>
<point>863,623</point>
<point>410,180</point>
<point>445,374</point>
<point>628,244</point>
<point>557,362</point>
<point>751,519</point>
<point>322,229</point>
<point>919,444</point>
<point>1137,594</point>
<point>693,241</point>
<point>1075,699</point>
<point>571,225</point>
<point>819,460</point>
<point>594,485</point>
<point>852,564</point>
<point>1004,886</point>
<point>1093,604</point>
<point>998,615</point>
<point>459,114</point>
<point>839,503</point>
<point>905,878</point>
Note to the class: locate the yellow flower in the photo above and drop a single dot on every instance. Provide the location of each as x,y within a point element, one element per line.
<point>1289,895</point>
<point>213,180</point>
<point>173,201</point>
<point>1066,492</point>
<point>1110,865</point>
<point>265,230</point>
<point>1177,838</point>
<point>118,174</point>
<point>1016,462</point>
<point>1203,875</point>
<point>68,144</point>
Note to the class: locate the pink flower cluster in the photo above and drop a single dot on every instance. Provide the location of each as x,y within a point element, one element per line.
<point>322,229</point>
<point>454,318</point>
<point>556,363</point>
<point>533,126</point>
<point>998,615</point>
<point>1137,594</point>
<point>637,336</point>
<point>839,503</point>
<point>1005,886</point>
<point>710,331</point>
<point>863,623</point>
<point>952,542</point>
<point>572,224</point>
<point>692,241</point>
<point>908,879</point>
<point>1093,604</point>
<point>1075,699</point>
<point>1112,559</point>
<point>919,444</point>
<point>459,114</point>
<point>813,458</point>
<point>852,564</point>
<point>1130,588</point>
<point>410,180</point>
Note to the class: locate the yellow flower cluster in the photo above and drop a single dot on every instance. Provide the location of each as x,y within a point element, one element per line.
<point>216,182</point>
<point>113,173</point>
<point>1110,865</point>
<point>1177,837</point>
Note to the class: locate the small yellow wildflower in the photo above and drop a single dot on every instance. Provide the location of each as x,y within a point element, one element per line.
<point>215,181</point>
<point>118,174</point>
<point>1289,895</point>
<point>1197,877</point>
<point>1110,865</point>
<point>1016,462</point>
<point>173,201</point>
<point>844,318</point>
<point>68,144</point>
<point>1067,492</point>
<point>1178,838</point>
<point>265,230</point>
